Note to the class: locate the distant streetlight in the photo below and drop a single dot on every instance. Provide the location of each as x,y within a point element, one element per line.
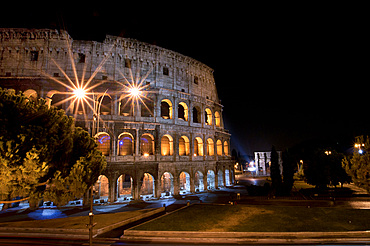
<point>328,152</point>
<point>358,146</point>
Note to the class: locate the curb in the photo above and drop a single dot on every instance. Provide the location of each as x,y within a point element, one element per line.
<point>71,233</point>
<point>246,237</point>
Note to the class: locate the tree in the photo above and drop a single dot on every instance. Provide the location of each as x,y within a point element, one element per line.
<point>288,171</point>
<point>275,171</point>
<point>324,168</point>
<point>42,152</point>
<point>358,165</point>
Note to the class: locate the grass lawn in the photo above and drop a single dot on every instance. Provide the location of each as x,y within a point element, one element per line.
<point>245,218</point>
<point>78,222</point>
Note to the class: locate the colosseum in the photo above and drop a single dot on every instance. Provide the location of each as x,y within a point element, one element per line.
<point>166,139</point>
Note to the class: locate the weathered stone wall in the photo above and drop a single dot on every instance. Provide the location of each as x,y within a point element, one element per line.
<point>42,62</point>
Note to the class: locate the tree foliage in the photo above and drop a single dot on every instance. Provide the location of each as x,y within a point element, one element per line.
<point>42,152</point>
<point>289,166</point>
<point>275,170</point>
<point>358,165</point>
<point>324,168</point>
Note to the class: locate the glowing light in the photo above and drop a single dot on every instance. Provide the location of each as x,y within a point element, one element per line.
<point>135,91</point>
<point>146,154</point>
<point>79,93</point>
<point>360,151</point>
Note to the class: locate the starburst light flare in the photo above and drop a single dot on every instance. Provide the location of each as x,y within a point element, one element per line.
<point>135,90</point>
<point>79,90</point>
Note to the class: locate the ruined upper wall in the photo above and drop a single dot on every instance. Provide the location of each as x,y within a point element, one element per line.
<point>46,52</point>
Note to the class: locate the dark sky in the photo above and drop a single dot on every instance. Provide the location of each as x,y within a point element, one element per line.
<point>285,73</point>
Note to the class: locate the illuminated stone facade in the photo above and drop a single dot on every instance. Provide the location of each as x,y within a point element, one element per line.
<point>172,141</point>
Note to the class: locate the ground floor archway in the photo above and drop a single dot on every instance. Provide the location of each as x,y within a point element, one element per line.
<point>220,176</point>
<point>167,188</point>
<point>227,177</point>
<point>147,186</point>
<point>184,182</point>
<point>101,188</point>
<point>211,180</point>
<point>198,181</point>
<point>124,187</point>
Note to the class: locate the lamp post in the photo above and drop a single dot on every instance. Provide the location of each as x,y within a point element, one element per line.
<point>81,94</point>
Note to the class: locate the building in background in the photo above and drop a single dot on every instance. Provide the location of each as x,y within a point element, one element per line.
<point>262,162</point>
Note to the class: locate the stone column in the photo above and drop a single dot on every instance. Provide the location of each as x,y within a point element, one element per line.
<point>135,188</point>
<point>112,197</point>
<point>176,184</point>
<point>137,143</point>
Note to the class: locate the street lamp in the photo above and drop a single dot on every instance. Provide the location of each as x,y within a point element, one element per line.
<point>358,146</point>
<point>79,93</point>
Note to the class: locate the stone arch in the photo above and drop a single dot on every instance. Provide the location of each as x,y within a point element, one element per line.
<point>103,142</point>
<point>31,94</point>
<point>198,146</point>
<point>167,145</point>
<point>198,181</point>
<point>167,187</point>
<point>217,119</point>
<point>226,147</point>
<point>147,144</point>
<point>106,104</point>
<point>147,186</point>
<point>124,187</point>
<point>125,144</point>
<point>220,176</point>
<point>210,147</point>
<point>227,177</point>
<point>101,188</point>
<point>208,116</point>
<point>211,179</point>
<point>219,147</point>
<point>184,146</point>
<point>55,98</point>
<point>183,111</point>
<point>125,106</point>
<point>166,109</point>
<point>184,182</point>
<point>196,114</point>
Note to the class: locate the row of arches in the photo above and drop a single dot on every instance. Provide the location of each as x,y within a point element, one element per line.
<point>126,145</point>
<point>168,184</point>
<point>57,98</point>
<point>183,113</point>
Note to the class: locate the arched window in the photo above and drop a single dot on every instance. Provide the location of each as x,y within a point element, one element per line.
<point>217,119</point>
<point>103,141</point>
<point>219,147</point>
<point>226,148</point>
<point>196,115</point>
<point>166,109</point>
<point>183,111</point>
<point>208,116</point>
<point>125,144</point>
<point>166,145</point>
<point>31,94</point>
<point>125,107</point>
<point>198,146</point>
<point>147,107</point>
<point>147,144</point>
<point>210,147</point>
<point>184,144</point>
<point>105,108</point>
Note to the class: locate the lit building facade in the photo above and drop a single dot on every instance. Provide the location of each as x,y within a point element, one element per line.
<point>170,141</point>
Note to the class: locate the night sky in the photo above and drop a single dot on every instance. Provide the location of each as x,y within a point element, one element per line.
<point>285,73</point>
